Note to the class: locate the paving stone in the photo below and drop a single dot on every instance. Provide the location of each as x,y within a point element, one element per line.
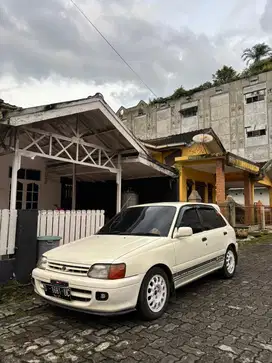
<point>42,341</point>
<point>170,327</point>
<point>51,358</point>
<point>69,357</point>
<point>65,348</point>
<point>45,350</point>
<point>102,346</point>
<point>103,331</point>
<point>59,342</point>
<point>121,345</point>
<point>31,348</point>
<point>169,359</point>
<point>194,351</point>
<point>155,353</point>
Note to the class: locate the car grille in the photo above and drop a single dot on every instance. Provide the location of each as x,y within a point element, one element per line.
<point>81,295</point>
<point>68,269</point>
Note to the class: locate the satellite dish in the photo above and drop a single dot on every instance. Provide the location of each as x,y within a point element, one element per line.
<point>202,138</point>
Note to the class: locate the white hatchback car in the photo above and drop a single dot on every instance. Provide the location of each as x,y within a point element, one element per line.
<point>138,259</point>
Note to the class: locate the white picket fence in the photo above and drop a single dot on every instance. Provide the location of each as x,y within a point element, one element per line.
<point>8,220</point>
<point>70,225</point>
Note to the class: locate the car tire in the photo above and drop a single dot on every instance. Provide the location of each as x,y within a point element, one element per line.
<point>230,263</point>
<point>154,294</point>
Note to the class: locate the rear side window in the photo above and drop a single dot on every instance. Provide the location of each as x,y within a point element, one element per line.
<point>210,218</point>
<point>190,219</point>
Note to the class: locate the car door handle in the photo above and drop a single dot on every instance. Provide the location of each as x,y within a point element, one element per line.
<point>225,233</point>
<point>204,239</point>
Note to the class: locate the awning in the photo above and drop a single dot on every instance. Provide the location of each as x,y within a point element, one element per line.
<point>84,132</point>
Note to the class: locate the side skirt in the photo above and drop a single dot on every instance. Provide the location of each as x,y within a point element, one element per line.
<point>193,273</point>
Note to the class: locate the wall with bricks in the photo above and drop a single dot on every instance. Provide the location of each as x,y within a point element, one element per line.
<point>240,113</point>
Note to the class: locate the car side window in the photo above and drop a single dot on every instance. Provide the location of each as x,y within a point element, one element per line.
<point>190,218</point>
<point>210,218</point>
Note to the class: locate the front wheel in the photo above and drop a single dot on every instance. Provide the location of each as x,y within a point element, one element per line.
<point>154,294</point>
<point>230,263</point>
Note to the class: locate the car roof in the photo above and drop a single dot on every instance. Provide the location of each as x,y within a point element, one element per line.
<point>176,204</point>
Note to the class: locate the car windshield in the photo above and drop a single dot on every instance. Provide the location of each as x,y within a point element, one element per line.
<point>142,221</point>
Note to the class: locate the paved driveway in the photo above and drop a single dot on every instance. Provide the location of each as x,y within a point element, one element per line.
<point>209,321</point>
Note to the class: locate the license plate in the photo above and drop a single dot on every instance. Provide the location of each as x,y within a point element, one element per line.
<point>58,289</point>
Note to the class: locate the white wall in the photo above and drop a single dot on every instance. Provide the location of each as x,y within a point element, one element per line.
<point>50,191</point>
<point>259,194</point>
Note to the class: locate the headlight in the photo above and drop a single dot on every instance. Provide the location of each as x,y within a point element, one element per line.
<point>42,263</point>
<point>107,271</point>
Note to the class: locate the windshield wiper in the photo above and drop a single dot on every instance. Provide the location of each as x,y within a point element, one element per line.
<point>117,233</point>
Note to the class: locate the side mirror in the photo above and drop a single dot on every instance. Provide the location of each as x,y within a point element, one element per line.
<point>183,232</point>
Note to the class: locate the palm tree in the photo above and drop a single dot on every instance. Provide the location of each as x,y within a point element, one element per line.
<point>256,53</point>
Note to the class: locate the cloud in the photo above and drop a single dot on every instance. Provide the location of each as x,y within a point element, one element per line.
<point>266,19</point>
<point>43,42</point>
<point>53,38</point>
<point>57,89</point>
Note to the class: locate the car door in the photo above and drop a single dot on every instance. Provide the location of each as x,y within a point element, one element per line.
<point>190,252</point>
<point>216,230</point>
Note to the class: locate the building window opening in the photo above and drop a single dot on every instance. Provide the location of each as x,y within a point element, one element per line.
<point>19,195</point>
<point>189,112</point>
<point>140,112</point>
<point>27,196</point>
<point>255,97</point>
<point>27,174</point>
<point>32,196</point>
<point>256,133</point>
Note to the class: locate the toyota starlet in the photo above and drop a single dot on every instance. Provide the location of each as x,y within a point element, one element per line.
<point>138,259</point>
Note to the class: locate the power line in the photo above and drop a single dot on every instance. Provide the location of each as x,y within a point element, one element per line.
<point>112,47</point>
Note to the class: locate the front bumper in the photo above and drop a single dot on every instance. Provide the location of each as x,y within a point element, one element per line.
<point>122,294</point>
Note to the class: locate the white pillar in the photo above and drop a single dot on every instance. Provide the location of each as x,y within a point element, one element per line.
<point>119,186</point>
<point>15,167</point>
<point>74,188</point>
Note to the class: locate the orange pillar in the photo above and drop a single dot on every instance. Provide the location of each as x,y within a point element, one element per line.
<point>249,199</point>
<point>206,194</point>
<point>220,181</point>
<point>270,197</point>
<point>182,185</point>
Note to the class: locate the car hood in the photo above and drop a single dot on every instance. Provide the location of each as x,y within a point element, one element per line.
<point>98,249</point>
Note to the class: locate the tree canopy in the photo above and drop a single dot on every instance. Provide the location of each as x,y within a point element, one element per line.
<point>256,53</point>
<point>224,75</point>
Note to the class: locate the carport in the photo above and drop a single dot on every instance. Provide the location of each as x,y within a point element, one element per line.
<point>83,140</point>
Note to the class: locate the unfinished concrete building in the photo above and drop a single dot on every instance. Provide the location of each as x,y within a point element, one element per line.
<point>239,112</point>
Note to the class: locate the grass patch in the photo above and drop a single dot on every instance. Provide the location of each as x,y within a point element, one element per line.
<point>13,291</point>
<point>266,238</point>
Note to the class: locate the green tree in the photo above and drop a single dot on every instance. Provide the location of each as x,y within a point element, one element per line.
<point>256,53</point>
<point>224,75</point>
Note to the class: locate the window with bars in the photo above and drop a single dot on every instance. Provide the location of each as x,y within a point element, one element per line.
<point>189,112</point>
<point>256,133</point>
<point>255,96</point>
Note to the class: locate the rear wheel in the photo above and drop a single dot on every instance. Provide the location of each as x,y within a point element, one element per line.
<point>230,262</point>
<point>154,294</point>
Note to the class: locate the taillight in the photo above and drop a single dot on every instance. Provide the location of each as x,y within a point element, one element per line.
<point>117,271</point>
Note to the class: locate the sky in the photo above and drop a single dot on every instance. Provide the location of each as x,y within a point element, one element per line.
<point>50,53</point>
